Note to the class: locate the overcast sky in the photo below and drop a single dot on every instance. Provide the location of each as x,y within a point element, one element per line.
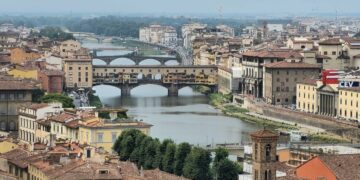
<point>180,6</point>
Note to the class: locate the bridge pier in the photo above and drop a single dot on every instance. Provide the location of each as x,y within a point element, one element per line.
<point>125,90</point>
<point>173,90</point>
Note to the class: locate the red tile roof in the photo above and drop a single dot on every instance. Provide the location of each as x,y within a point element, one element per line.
<point>291,65</point>
<point>309,81</point>
<point>279,53</point>
<point>37,106</point>
<point>63,117</point>
<point>264,134</point>
<point>333,41</point>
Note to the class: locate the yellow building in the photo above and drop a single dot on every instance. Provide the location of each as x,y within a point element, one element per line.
<point>20,55</point>
<point>6,146</point>
<point>105,132</point>
<point>349,99</point>
<point>306,96</point>
<point>78,70</point>
<point>26,73</point>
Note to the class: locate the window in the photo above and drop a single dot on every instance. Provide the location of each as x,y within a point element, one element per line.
<point>113,136</point>
<point>70,68</point>
<point>86,68</point>
<point>79,68</point>
<point>268,152</point>
<point>100,137</point>
<point>278,79</point>
<point>277,89</point>
<point>256,151</point>
<point>325,52</point>
<point>334,53</point>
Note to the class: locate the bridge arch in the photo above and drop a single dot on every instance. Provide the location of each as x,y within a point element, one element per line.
<point>98,62</point>
<point>122,61</point>
<point>147,62</point>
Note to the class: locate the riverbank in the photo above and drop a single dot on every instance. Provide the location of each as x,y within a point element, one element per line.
<point>223,102</point>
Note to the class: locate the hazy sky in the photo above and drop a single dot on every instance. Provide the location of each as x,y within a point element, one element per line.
<point>180,6</point>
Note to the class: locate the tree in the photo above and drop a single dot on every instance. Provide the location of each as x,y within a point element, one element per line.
<point>36,95</point>
<point>169,158</point>
<point>220,154</point>
<point>142,150</point>
<point>127,147</point>
<point>227,170</point>
<point>55,33</point>
<point>223,168</point>
<point>66,101</point>
<point>197,164</point>
<point>160,153</point>
<point>182,152</point>
<point>150,154</point>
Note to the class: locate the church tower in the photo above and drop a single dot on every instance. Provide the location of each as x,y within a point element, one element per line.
<point>264,160</point>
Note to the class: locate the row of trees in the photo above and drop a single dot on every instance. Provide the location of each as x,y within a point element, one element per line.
<point>54,33</point>
<point>39,96</point>
<point>182,159</point>
<point>118,25</point>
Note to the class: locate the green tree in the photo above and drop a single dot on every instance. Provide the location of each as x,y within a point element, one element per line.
<point>227,170</point>
<point>220,154</point>
<point>182,152</point>
<point>127,147</point>
<point>55,33</point>
<point>66,101</point>
<point>197,164</point>
<point>36,95</point>
<point>135,155</point>
<point>142,150</point>
<point>160,153</point>
<point>169,158</point>
<point>150,154</point>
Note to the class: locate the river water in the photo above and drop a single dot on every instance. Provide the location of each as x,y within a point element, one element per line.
<point>187,118</point>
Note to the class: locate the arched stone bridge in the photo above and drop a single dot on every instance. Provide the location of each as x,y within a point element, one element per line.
<point>171,77</point>
<point>135,57</point>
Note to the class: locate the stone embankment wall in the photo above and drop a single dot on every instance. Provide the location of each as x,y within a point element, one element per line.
<point>333,125</point>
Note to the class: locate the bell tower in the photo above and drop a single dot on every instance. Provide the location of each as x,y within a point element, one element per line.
<point>264,160</point>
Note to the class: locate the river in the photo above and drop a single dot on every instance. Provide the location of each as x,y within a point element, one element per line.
<point>187,118</point>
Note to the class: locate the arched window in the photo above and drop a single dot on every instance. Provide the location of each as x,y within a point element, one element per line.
<point>256,151</point>
<point>268,152</point>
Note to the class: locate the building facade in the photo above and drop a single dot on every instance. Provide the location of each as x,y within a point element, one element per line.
<point>78,71</point>
<point>280,79</point>
<point>306,96</point>
<point>13,94</point>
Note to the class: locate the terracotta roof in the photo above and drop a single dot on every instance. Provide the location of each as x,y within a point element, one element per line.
<point>291,65</point>
<point>333,41</point>
<point>63,117</point>
<point>309,81</point>
<point>53,72</point>
<point>36,106</point>
<point>279,53</point>
<point>21,158</point>
<point>73,124</point>
<point>156,174</point>
<point>264,134</point>
<point>345,166</point>
<point>16,85</point>
<point>355,89</point>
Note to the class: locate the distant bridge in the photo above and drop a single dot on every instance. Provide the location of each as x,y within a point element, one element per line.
<point>81,36</point>
<point>171,77</point>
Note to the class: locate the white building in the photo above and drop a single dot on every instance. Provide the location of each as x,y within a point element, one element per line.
<point>275,27</point>
<point>157,34</point>
<point>28,117</point>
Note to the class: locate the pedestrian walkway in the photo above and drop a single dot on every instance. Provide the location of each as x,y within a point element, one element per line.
<point>302,127</point>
